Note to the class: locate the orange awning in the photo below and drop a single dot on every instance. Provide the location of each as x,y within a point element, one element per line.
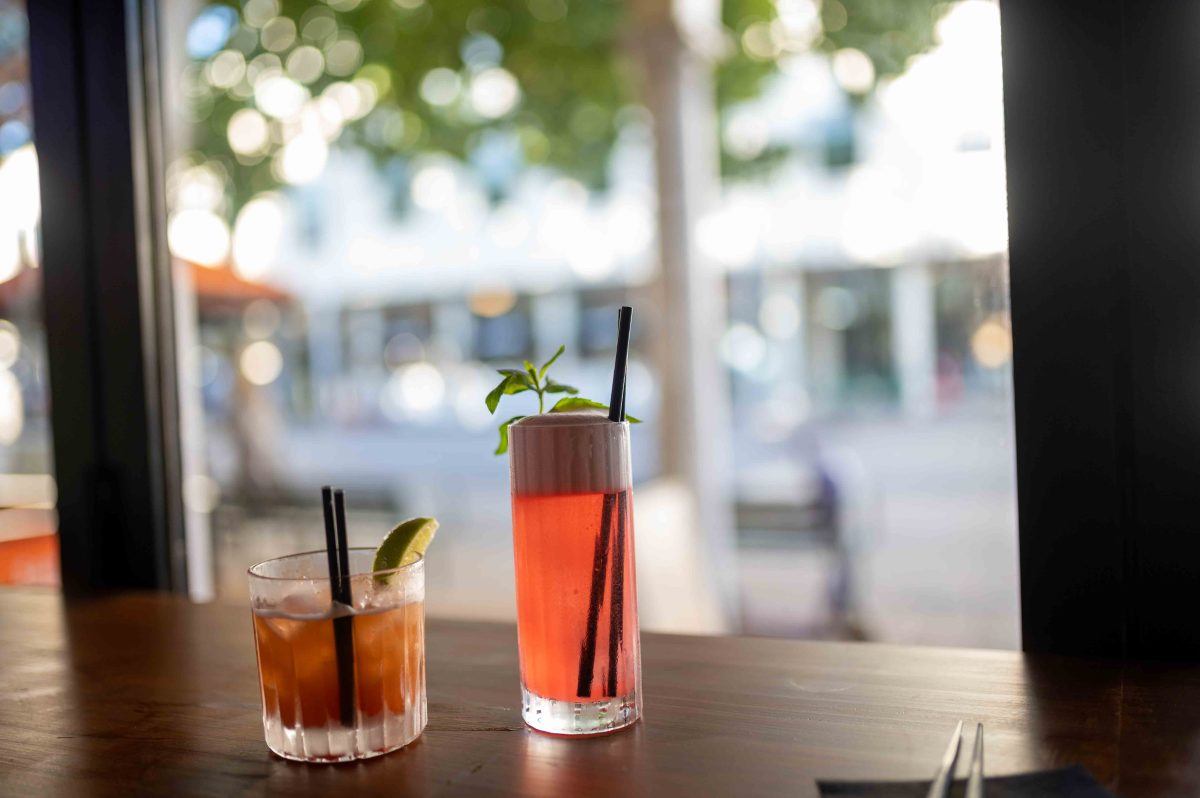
<point>220,286</point>
<point>213,286</point>
<point>20,288</point>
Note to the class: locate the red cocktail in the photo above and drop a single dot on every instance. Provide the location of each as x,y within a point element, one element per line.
<point>577,619</point>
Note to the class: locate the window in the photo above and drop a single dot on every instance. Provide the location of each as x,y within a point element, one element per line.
<point>366,228</point>
<point>28,545</point>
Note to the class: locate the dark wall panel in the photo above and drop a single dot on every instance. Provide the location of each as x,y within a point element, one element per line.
<point>1064,139</point>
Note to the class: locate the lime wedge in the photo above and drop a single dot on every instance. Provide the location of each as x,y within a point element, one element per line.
<point>405,543</point>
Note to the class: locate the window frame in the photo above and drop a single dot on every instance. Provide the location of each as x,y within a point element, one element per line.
<point>1100,283</point>
<point>107,294</point>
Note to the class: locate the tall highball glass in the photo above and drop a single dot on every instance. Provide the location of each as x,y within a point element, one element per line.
<point>577,619</point>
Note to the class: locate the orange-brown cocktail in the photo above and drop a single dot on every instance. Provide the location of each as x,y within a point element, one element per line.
<point>320,707</point>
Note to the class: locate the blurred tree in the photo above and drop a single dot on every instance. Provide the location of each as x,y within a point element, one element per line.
<point>890,32</point>
<point>498,83</point>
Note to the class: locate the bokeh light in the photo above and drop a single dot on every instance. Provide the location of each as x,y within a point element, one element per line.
<point>257,236</point>
<point>743,347</point>
<point>226,69</point>
<point>319,26</point>
<point>494,93</point>
<point>20,203</point>
<point>10,253</point>
<point>279,34</point>
<point>13,134</point>
<point>198,236</point>
<point>344,56</point>
<point>10,344</point>
<point>263,66</point>
<point>258,13</point>
<point>305,64</point>
<point>433,187</point>
<point>413,391</point>
<point>853,70</point>
<point>201,493</point>
<point>197,187</point>
<point>248,132</point>
<point>345,98</point>
<point>759,42</point>
<point>261,363</point>
<point>492,303</point>
<point>12,408</point>
<point>799,23</point>
<point>746,134</point>
<point>302,160</point>
<point>280,96</point>
<point>210,30</point>
<point>441,86</point>
<point>991,343</point>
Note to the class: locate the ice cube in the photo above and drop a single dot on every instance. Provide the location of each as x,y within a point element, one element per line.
<point>308,603</point>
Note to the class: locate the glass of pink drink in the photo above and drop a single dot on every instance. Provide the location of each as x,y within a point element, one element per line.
<point>577,620</point>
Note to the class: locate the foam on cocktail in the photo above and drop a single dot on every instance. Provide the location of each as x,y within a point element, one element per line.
<point>575,452</point>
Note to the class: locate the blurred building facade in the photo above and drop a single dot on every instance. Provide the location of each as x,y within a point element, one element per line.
<point>823,338</point>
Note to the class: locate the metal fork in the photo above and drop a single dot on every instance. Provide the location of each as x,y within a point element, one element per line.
<point>975,774</point>
<point>945,772</point>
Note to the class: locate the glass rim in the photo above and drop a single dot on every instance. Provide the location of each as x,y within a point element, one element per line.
<point>564,425</point>
<point>325,578</point>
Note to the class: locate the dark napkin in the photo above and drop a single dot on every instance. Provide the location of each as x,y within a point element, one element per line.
<point>1072,782</point>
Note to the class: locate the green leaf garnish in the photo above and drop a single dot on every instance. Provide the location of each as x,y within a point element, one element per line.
<point>535,379</point>
<point>513,383</point>
<point>520,377</point>
<point>503,447</point>
<point>493,398</point>
<point>550,362</point>
<point>576,403</point>
<point>579,403</point>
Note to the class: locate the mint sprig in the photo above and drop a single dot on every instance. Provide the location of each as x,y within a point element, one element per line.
<point>534,379</point>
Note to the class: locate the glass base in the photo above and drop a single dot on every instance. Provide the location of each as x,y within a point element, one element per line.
<point>372,737</point>
<point>579,718</point>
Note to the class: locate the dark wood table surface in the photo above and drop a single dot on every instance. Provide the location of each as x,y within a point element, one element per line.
<point>149,695</point>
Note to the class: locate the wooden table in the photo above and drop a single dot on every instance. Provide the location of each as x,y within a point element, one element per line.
<point>148,694</point>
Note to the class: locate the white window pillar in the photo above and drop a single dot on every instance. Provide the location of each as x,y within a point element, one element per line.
<point>685,313</point>
<point>914,338</point>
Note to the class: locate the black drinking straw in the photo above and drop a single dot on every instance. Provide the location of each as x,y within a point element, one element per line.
<point>334,506</point>
<point>616,624</point>
<point>587,657</point>
<point>616,398</point>
<point>616,413</point>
